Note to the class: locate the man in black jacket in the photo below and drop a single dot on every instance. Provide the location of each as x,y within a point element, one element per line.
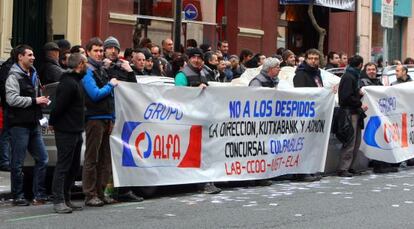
<point>115,67</point>
<point>350,99</point>
<point>369,75</point>
<point>68,121</point>
<point>51,69</point>
<point>308,75</point>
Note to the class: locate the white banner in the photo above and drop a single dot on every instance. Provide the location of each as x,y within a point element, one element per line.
<point>166,135</point>
<point>389,128</point>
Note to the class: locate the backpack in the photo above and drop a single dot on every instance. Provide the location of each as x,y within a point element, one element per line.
<point>4,74</point>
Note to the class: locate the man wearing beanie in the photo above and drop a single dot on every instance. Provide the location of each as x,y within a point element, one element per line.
<point>115,67</point>
<point>100,115</point>
<point>288,58</point>
<point>193,76</point>
<point>122,71</point>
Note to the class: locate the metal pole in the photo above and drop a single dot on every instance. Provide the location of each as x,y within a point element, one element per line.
<point>385,47</point>
<point>178,7</point>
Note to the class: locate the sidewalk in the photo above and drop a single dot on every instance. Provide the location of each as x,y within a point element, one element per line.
<point>5,188</point>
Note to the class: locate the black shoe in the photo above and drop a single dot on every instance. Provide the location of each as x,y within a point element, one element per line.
<point>21,202</point>
<point>263,182</point>
<point>355,172</point>
<point>308,177</point>
<point>5,168</point>
<point>73,206</point>
<point>385,170</point>
<point>410,162</point>
<point>129,197</point>
<point>344,173</point>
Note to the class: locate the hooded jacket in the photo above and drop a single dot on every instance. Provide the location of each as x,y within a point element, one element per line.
<point>21,92</point>
<point>348,91</point>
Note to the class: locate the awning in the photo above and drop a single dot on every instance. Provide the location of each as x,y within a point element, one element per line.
<point>337,4</point>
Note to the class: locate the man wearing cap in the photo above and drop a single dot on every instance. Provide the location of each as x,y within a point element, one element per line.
<point>149,64</point>
<point>51,69</point>
<point>115,67</point>
<point>193,76</point>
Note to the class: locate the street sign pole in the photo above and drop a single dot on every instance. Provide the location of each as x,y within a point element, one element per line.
<point>387,22</point>
<point>178,6</point>
<point>385,48</point>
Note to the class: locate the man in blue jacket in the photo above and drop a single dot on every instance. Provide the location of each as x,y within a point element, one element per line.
<point>100,116</point>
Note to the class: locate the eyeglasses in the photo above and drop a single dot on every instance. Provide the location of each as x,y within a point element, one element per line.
<point>154,53</point>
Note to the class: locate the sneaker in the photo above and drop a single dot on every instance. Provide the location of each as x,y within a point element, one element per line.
<point>263,182</point>
<point>73,206</point>
<point>344,173</point>
<point>130,197</point>
<point>109,200</point>
<point>210,188</point>
<point>94,202</point>
<point>21,202</point>
<point>61,208</point>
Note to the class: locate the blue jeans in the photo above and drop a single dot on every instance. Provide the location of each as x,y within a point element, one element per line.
<point>5,142</point>
<point>22,140</point>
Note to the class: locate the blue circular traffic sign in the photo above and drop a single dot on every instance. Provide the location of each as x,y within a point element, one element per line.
<point>190,11</point>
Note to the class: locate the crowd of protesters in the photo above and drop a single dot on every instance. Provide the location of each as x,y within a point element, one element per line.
<point>84,102</point>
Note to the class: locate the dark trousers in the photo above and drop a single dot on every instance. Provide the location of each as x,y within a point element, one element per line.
<point>23,140</point>
<point>349,152</point>
<point>69,147</point>
<point>97,165</point>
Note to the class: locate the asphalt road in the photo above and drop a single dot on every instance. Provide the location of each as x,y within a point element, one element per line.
<point>367,201</point>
